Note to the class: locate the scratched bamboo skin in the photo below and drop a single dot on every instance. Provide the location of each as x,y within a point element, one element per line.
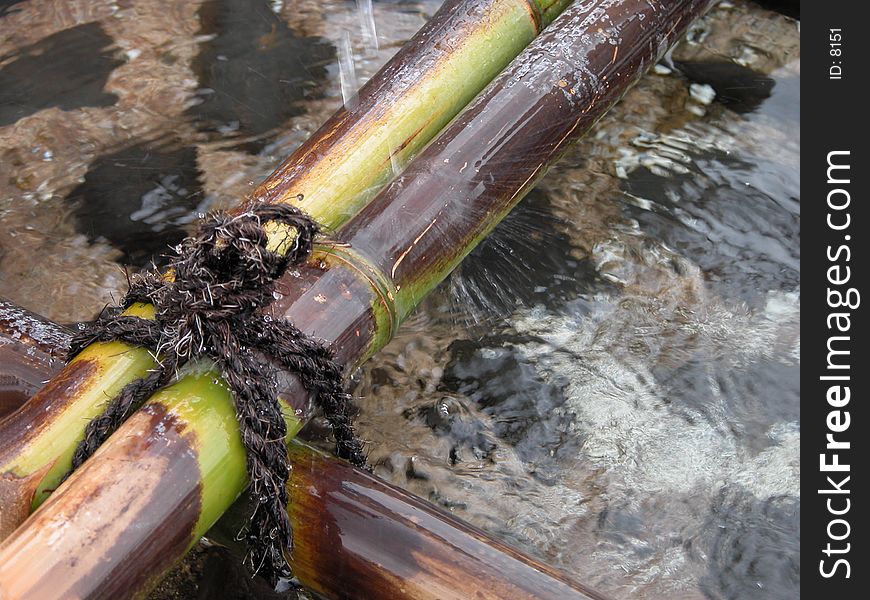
<point>324,491</point>
<point>463,46</point>
<point>350,293</point>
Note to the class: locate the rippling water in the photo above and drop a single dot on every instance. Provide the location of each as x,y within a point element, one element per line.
<point>609,382</point>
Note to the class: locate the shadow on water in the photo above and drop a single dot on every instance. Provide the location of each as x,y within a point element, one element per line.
<point>73,66</point>
<point>754,548</point>
<point>745,239</point>
<point>528,260</point>
<point>7,7</point>
<point>139,199</point>
<point>753,397</point>
<point>739,88</point>
<point>789,8</point>
<point>509,390</point>
<point>253,71</point>
<point>254,74</point>
<point>736,214</point>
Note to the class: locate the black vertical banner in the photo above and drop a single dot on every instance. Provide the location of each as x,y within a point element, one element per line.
<point>835,426</point>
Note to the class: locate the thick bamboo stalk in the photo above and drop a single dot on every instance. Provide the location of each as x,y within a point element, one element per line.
<point>352,293</point>
<point>415,95</point>
<point>359,537</point>
<point>335,551</point>
<point>463,46</point>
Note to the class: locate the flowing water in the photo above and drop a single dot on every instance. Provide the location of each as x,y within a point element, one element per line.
<point>610,382</point>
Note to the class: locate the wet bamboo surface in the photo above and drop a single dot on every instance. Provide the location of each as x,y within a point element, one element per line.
<point>334,507</point>
<point>495,151</point>
<point>343,164</point>
<point>30,354</point>
<point>461,48</point>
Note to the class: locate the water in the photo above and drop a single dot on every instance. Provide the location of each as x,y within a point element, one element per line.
<point>347,72</point>
<point>609,382</point>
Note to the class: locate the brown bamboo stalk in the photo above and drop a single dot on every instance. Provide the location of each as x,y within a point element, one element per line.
<point>389,528</point>
<point>353,294</point>
<point>31,353</point>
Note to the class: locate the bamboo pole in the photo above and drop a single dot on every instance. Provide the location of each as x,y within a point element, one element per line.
<point>353,293</point>
<point>370,552</point>
<point>31,351</point>
<point>463,46</point>
<point>433,76</point>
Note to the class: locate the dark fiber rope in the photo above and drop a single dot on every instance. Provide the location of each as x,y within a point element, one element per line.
<point>223,277</point>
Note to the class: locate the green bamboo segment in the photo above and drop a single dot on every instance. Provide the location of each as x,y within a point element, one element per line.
<point>99,372</point>
<point>202,399</point>
<point>469,43</point>
<point>550,9</point>
<point>331,176</point>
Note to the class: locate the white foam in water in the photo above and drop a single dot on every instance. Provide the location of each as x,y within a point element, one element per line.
<point>624,417</point>
<point>702,92</point>
<point>649,463</point>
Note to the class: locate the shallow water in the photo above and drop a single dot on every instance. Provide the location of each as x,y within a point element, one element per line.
<point>609,382</point>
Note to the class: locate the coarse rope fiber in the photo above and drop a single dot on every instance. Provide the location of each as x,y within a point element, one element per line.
<point>211,308</point>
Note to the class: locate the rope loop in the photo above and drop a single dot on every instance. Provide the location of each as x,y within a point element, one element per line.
<point>210,307</point>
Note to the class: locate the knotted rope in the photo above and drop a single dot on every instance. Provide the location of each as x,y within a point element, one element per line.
<point>211,308</point>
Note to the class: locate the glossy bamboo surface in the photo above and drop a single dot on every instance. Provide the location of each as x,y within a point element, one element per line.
<point>362,146</point>
<point>430,217</point>
<point>28,355</point>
